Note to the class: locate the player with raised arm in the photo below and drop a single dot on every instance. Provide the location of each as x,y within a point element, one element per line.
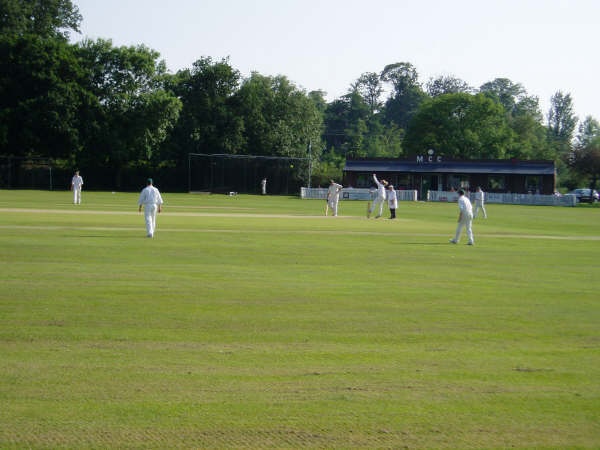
<point>379,198</point>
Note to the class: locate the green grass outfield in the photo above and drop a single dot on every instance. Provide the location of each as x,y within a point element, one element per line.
<point>256,322</point>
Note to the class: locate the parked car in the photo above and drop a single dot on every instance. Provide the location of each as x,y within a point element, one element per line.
<point>583,195</point>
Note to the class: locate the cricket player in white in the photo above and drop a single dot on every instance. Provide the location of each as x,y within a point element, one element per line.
<point>379,199</point>
<point>465,218</point>
<point>480,202</point>
<point>76,185</point>
<point>152,202</point>
<point>333,197</point>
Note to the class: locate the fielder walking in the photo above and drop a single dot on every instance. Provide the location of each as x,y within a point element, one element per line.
<point>152,201</point>
<point>76,185</point>
<point>480,202</point>
<point>379,198</point>
<point>465,218</point>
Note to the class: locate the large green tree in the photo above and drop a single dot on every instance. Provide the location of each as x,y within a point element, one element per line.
<point>369,87</point>
<point>41,93</point>
<point>507,93</point>
<point>561,121</point>
<point>133,111</point>
<point>40,79</point>
<point>42,18</point>
<point>587,132</point>
<point>208,122</point>
<point>531,138</point>
<point>523,116</point>
<point>584,159</point>
<point>560,129</point>
<point>406,93</point>
<point>447,84</point>
<point>585,162</point>
<point>346,125</point>
<point>279,118</point>
<point>460,126</point>
<point>354,122</point>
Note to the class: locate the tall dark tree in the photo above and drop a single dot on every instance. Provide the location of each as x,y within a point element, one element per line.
<point>523,116</point>
<point>42,18</point>
<point>447,84</point>
<point>585,161</point>
<point>403,77</point>
<point>133,111</point>
<point>208,123</point>
<point>279,118</point>
<point>531,140</point>
<point>406,95</point>
<point>561,121</point>
<point>40,78</point>
<point>560,129</point>
<point>369,87</point>
<point>588,131</point>
<point>318,98</point>
<point>41,92</point>
<point>345,124</point>
<point>504,91</point>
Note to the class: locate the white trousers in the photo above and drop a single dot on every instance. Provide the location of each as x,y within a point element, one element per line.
<point>333,204</point>
<point>378,201</point>
<point>478,206</point>
<point>76,195</point>
<point>466,223</point>
<point>150,218</point>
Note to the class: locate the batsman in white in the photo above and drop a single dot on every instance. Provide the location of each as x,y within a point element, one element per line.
<point>465,218</point>
<point>152,201</point>
<point>333,197</point>
<point>379,198</point>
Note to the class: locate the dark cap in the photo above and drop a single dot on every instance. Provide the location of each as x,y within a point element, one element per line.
<point>149,181</point>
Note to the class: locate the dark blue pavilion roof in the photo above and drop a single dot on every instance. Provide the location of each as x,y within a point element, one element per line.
<point>474,166</point>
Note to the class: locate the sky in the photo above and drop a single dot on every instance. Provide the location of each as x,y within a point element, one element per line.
<point>544,45</point>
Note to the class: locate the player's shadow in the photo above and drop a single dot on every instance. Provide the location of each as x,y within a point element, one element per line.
<point>98,236</point>
<point>424,243</point>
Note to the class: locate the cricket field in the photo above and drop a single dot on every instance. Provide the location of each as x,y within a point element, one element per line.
<point>255,322</point>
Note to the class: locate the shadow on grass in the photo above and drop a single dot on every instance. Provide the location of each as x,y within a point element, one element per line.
<point>446,243</point>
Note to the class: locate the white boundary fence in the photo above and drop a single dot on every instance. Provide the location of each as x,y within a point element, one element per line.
<point>354,194</point>
<point>446,196</point>
<point>509,199</point>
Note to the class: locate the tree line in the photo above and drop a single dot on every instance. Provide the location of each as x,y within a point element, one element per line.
<point>117,111</point>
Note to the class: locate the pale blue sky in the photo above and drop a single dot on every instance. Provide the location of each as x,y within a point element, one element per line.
<point>546,45</point>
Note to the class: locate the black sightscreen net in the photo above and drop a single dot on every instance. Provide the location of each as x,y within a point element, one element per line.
<point>30,173</point>
<point>244,173</point>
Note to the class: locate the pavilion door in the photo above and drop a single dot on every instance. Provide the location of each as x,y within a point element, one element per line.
<point>428,182</point>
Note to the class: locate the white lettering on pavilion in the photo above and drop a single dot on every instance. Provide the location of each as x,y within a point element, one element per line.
<point>430,158</point>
